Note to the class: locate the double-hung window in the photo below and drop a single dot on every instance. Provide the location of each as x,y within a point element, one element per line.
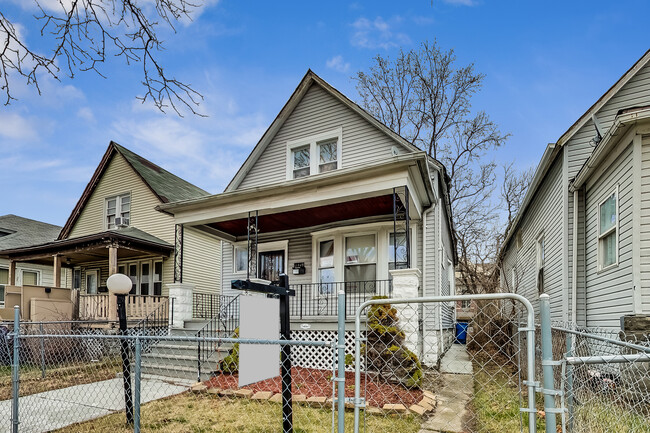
<point>313,155</point>
<point>326,271</point>
<point>4,279</point>
<point>608,231</point>
<point>361,261</point>
<point>118,206</point>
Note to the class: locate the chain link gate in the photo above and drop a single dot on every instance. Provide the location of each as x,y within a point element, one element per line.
<point>407,367</point>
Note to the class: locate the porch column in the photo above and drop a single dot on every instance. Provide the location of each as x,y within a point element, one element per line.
<point>406,283</point>
<point>12,273</point>
<point>112,269</point>
<point>57,270</point>
<point>180,303</point>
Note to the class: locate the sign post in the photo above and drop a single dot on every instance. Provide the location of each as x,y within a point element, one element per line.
<point>283,291</point>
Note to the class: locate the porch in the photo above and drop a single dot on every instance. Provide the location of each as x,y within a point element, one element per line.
<point>102,308</point>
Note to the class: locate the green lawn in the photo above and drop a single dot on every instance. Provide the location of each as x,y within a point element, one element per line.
<point>189,412</point>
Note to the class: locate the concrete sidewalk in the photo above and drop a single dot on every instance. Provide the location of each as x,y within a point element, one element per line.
<point>454,394</point>
<point>51,410</point>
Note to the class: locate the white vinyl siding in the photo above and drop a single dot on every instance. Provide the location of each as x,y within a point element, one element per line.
<point>319,112</point>
<point>609,293</point>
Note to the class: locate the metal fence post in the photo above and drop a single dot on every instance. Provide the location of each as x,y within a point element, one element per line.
<point>40,327</point>
<point>569,386</point>
<point>341,361</point>
<point>547,363</point>
<point>137,385</point>
<point>15,372</point>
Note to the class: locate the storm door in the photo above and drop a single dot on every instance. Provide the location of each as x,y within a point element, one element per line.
<point>271,265</point>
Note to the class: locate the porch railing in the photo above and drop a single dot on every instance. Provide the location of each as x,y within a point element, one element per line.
<point>320,299</point>
<point>97,307</point>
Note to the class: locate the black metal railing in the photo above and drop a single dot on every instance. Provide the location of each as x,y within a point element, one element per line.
<point>320,299</point>
<point>222,323</point>
<point>206,305</point>
<point>157,319</point>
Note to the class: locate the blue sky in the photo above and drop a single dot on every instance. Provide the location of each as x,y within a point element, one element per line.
<point>545,64</point>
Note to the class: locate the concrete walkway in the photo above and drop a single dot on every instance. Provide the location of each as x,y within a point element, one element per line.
<point>51,410</point>
<point>454,394</point>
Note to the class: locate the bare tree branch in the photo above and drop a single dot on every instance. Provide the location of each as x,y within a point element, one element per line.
<point>84,33</point>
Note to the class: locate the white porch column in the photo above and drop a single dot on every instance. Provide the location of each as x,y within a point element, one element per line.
<point>112,269</point>
<point>181,294</point>
<point>406,283</point>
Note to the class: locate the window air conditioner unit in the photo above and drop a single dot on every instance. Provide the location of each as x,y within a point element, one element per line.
<point>121,222</point>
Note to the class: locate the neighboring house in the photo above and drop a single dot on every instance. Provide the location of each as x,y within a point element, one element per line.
<point>116,227</point>
<point>582,234</point>
<point>338,201</point>
<point>17,232</point>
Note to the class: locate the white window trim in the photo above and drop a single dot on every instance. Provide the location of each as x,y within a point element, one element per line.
<point>138,263</point>
<point>382,230</point>
<point>33,271</point>
<point>98,273</point>
<point>117,206</point>
<point>261,247</point>
<point>614,228</point>
<point>314,156</point>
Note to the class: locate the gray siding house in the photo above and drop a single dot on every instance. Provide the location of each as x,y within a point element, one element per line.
<point>336,200</point>
<point>582,234</point>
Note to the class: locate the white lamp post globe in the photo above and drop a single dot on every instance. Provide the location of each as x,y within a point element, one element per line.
<point>119,284</point>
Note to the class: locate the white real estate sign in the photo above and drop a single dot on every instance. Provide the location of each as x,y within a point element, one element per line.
<point>259,319</point>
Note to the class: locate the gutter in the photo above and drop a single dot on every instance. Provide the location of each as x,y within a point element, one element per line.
<point>599,154</point>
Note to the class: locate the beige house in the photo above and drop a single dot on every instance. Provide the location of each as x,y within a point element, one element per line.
<point>17,232</point>
<point>116,227</point>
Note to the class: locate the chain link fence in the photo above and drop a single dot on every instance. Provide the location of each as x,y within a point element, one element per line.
<point>412,368</point>
<point>71,379</point>
<point>604,376</point>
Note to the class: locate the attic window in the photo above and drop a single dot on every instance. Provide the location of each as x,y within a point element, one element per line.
<point>118,211</point>
<point>313,155</point>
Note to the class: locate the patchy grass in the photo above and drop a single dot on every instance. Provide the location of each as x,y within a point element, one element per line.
<point>496,399</point>
<point>32,382</point>
<point>189,412</point>
<point>598,416</point>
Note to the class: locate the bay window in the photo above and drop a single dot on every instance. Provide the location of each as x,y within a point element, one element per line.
<point>326,272</point>
<point>360,258</point>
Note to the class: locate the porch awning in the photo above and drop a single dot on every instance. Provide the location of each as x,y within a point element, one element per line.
<point>131,242</point>
<point>313,216</point>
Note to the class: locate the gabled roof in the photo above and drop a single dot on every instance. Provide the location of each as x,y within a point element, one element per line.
<point>18,232</point>
<point>307,81</point>
<point>166,186</point>
<point>554,148</point>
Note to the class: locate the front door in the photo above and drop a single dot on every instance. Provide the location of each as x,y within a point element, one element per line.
<point>271,265</point>
<point>91,282</point>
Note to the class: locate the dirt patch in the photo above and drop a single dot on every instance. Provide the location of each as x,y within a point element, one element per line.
<point>315,383</point>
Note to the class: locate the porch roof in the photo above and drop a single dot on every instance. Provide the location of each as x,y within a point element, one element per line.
<point>348,193</point>
<point>131,242</point>
<point>308,217</point>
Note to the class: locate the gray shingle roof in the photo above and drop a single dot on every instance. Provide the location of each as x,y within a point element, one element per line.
<point>23,232</point>
<point>166,185</point>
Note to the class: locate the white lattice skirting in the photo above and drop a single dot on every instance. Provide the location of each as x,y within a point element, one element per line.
<point>319,357</point>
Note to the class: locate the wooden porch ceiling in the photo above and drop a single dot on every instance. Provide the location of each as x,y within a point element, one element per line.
<point>314,216</point>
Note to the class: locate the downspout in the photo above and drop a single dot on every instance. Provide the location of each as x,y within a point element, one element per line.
<point>574,271</point>
<point>584,248</point>
<point>425,215</point>
<point>441,346</point>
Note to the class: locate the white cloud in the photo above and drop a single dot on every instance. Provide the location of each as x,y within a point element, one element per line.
<point>338,64</point>
<point>378,33</point>
<point>86,113</point>
<point>461,2</point>
<point>16,127</point>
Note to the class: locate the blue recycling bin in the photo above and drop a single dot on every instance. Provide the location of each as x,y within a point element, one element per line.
<point>461,332</point>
